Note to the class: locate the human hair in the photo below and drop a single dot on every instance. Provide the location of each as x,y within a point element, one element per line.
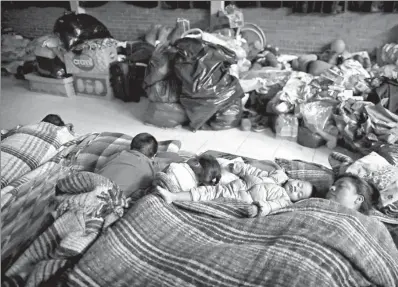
<point>314,191</point>
<point>53,119</point>
<point>363,188</point>
<point>145,143</point>
<point>211,169</point>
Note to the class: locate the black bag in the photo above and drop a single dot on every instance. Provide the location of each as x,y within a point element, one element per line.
<point>207,86</point>
<point>51,68</point>
<point>228,117</point>
<point>74,29</point>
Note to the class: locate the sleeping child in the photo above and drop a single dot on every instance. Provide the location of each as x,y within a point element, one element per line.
<point>267,191</point>
<point>197,171</point>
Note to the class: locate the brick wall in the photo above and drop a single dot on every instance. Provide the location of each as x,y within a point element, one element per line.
<point>291,32</point>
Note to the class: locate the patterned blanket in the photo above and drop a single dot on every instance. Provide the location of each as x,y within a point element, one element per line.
<point>86,204</point>
<point>29,147</point>
<point>313,243</point>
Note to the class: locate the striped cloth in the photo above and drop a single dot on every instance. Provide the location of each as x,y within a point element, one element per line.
<point>88,203</point>
<point>26,203</point>
<point>312,243</point>
<point>29,147</point>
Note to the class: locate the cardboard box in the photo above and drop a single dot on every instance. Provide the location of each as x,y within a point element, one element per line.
<point>93,85</point>
<point>91,57</point>
<point>61,87</point>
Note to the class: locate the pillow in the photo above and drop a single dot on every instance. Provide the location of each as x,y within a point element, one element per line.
<point>378,171</point>
<point>320,176</point>
<point>226,175</point>
<point>364,166</point>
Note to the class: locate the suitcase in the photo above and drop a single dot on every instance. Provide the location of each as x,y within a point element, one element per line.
<point>126,80</point>
<point>126,77</point>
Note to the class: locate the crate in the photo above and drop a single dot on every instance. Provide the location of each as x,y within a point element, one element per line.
<point>93,85</point>
<point>60,87</point>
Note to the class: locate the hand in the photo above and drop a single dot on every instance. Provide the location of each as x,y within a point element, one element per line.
<point>165,194</point>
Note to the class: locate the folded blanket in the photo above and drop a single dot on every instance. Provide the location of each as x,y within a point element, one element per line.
<point>29,147</point>
<point>311,243</point>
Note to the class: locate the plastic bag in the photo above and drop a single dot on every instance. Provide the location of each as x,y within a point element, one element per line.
<point>231,44</point>
<point>51,68</point>
<point>75,28</point>
<point>207,86</point>
<point>389,152</point>
<point>228,117</point>
<point>160,83</point>
<point>297,88</point>
<point>316,114</point>
<point>286,126</point>
<point>389,54</point>
<point>165,115</point>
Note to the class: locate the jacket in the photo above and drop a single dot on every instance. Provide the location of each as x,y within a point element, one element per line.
<point>253,185</point>
<point>130,170</point>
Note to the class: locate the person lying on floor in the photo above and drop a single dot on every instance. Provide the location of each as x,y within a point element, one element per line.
<point>267,191</point>
<point>134,169</point>
<point>202,170</point>
<point>50,118</point>
<point>353,192</point>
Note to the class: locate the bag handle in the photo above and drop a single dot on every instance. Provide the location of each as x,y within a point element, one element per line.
<point>192,31</point>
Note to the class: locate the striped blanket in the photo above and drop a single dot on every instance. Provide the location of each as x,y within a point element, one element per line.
<point>29,147</point>
<point>312,243</point>
<point>86,203</point>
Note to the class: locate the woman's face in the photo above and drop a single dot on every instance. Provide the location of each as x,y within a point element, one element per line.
<point>344,192</point>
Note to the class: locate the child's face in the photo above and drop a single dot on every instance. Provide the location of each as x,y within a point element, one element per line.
<point>298,189</point>
<point>344,192</point>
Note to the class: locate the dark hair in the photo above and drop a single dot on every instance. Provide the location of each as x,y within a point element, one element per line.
<point>211,169</point>
<point>314,191</point>
<point>145,143</point>
<point>53,119</point>
<point>363,188</point>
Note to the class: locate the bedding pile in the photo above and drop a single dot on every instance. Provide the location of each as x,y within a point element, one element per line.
<point>81,232</point>
<point>312,243</point>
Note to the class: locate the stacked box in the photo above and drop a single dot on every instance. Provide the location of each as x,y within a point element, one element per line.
<point>89,64</point>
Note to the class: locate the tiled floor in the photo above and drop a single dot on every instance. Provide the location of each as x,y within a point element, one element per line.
<point>18,105</point>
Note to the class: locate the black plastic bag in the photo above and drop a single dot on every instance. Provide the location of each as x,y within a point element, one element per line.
<point>165,115</point>
<point>74,29</point>
<point>228,117</point>
<point>51,68</point>
<point>161,84</point>
<point>207,86</point>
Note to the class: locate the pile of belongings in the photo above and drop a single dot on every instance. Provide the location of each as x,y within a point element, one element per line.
<point>188,79</point>
<point>15,52</point>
